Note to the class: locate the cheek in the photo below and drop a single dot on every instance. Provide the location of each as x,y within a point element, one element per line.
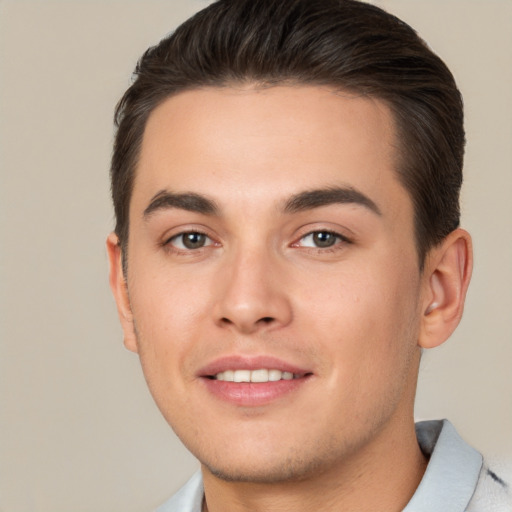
<point>166,300</point>
<point>163,328</point>
<point>166,311</point>
<point>366,317</point>
<point>389,327</point>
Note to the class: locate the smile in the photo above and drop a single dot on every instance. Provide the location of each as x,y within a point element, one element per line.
<point>260,375</point>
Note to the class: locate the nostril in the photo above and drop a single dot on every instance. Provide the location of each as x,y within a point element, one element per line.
<point>248,324</point>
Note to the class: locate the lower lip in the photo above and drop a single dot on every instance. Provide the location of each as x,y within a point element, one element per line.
<point>253,394</point>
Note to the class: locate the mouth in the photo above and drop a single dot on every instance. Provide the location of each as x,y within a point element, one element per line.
<point>253,381</point>
<point>260,375</point>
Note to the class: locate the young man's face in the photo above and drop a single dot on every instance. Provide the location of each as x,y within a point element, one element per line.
<point>269,236</point>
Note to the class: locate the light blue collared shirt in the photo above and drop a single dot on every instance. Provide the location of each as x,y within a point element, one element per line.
<point>452,472</point>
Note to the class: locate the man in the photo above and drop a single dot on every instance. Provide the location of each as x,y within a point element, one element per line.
<point>285,179</point>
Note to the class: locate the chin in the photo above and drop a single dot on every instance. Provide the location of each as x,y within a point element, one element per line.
<point>281,465</point>
<point>281,472</point>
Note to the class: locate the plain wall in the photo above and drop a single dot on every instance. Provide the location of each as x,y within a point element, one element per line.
<point>79,429</point>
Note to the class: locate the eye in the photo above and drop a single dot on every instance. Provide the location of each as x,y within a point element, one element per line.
<point>321,239</point>
<point>190,240</point>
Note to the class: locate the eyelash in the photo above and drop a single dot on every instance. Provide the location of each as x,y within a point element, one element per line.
<point>339,241</point>
<point>187,250</point>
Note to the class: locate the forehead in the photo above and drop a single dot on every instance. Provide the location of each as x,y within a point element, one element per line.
<point>266,143</point>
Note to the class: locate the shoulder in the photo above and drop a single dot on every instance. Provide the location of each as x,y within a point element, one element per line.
<point>457,477</point>
<point>493,491</point>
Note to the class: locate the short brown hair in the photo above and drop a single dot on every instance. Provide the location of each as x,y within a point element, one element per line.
<point>345,44</point>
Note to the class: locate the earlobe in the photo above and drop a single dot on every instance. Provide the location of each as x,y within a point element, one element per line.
<point>120,291</point>
<point>446,279</point>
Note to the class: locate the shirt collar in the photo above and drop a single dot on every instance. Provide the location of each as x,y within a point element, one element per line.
<point>452,472</point>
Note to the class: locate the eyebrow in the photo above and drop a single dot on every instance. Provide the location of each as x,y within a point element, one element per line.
<point>323,197</point>
<point>185,201</point>
<point>302,201</point>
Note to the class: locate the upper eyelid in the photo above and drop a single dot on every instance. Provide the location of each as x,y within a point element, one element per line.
<point>178,235</point>
<point>306,231</point>
<point>330,231</point>
<point>172,247</point>
<point>341,241</point>
<point>188,232</point>
<point>334,232</point>
<point>179,231</point>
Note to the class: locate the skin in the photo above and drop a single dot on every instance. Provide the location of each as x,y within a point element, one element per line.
<point>354,315</point>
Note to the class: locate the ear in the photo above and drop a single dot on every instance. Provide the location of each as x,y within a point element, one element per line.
<point>446,274</point>
<point>120,291</point>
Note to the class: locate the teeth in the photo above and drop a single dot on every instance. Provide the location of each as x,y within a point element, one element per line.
<point>261,375</point>
<point>242,376</point>
<point>274,375</point>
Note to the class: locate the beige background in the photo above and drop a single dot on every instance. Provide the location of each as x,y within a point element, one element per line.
<point>79,431</point>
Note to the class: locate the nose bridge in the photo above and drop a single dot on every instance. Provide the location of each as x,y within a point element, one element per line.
<point>253,294</point>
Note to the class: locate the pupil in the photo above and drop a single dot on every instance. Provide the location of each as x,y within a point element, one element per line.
<point>324,239</point>
<point>193,240</point>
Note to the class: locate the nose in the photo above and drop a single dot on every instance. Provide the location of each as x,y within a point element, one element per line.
<point>252,293</point>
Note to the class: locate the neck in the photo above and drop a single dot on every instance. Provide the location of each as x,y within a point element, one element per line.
<point>382,476</point>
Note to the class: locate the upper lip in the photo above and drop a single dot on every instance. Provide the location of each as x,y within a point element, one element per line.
<point>239,362</point>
